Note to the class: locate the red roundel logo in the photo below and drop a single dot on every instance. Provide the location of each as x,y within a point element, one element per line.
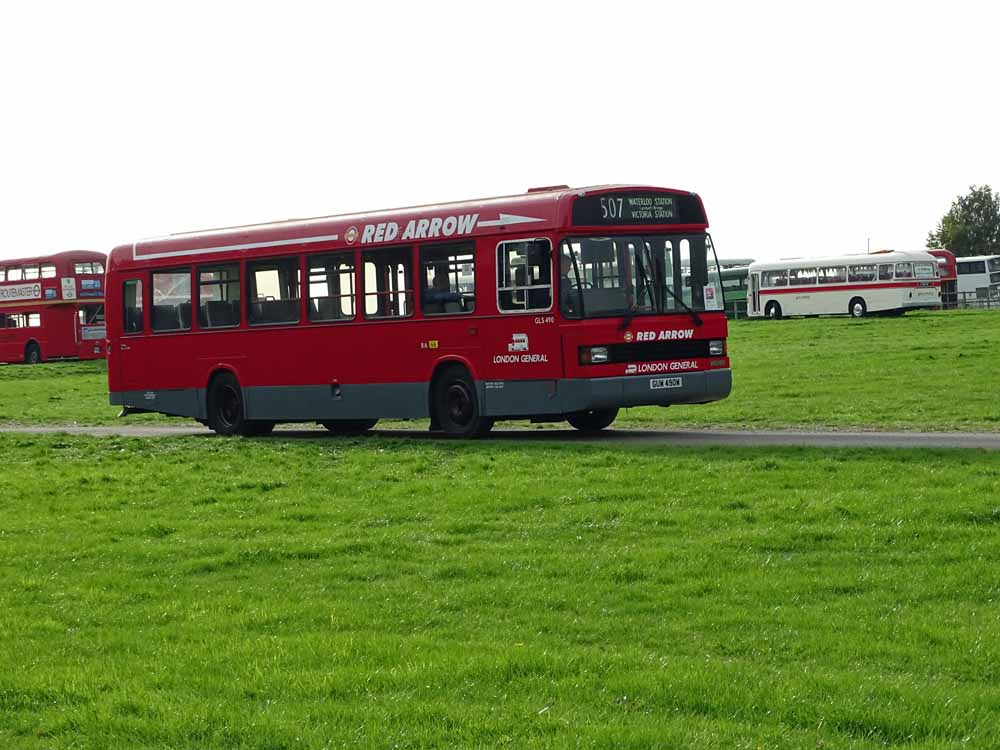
<point>628,335</point>
<point>351,235</point>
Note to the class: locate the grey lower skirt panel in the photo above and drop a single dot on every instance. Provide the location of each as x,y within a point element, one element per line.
<point>504,398</point>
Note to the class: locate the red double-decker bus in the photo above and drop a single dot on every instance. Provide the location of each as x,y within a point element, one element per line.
<point>559,304</point>
<point>52,307</point>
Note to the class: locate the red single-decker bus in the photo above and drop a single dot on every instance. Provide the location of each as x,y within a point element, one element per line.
<point>558,304</point>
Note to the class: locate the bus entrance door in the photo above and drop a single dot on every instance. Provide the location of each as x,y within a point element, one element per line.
<point>125,355</point>
<point>753,297</point>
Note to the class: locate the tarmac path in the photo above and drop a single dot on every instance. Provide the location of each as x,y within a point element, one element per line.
<point>674,437</point>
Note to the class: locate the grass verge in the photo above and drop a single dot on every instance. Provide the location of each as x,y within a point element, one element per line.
<point>204,593</point>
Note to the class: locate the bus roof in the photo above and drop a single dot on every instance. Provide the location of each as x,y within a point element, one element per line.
<point>967,258</point>
<point>892,256</point>
<point>537,210</point>
<point>70,256</point>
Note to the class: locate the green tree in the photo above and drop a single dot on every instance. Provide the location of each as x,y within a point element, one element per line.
<point>972,225</point>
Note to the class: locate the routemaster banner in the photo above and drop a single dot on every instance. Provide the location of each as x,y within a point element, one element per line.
<point>17,292</point>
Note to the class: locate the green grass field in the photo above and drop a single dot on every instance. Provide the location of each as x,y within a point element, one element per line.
<point>931,371</point>
<point>205,593</point>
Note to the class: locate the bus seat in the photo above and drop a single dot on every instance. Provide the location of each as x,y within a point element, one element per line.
<point>166,318</point>
<point>184,314</point>
<point>453,307</point>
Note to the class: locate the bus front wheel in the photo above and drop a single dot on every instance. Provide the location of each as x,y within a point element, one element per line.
<point>456,405</point>
<point>857,308</point>
<point>773,311</point>
<point>32,354</point>
<point>349,426</point>
<point>592,420</point>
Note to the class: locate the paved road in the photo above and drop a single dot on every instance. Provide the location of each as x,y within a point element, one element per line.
<point>827,439</point>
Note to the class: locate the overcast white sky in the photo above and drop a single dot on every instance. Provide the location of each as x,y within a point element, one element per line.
<point>807,129</point>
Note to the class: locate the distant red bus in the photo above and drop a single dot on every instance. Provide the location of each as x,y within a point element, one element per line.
<point>948,270</point>
<point>557,304</point>
<point>52,307</point>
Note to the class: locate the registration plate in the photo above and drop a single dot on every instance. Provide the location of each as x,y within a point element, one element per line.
<point>658,383</point>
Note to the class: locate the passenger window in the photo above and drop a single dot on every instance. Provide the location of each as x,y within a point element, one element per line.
<point>524,276</point>
<point>30,273</point>
<point>448,278</point>
<point>885,272</point>
<point>388,283</point>
<point>48,271</point>
<point>904,270</point>
<point>171,300</point>
<point>132,300</point>
<point>773,278</point>
<point>91,315</point>
<point>832,275</point>
<point>273,291</point>
<point>3,277</point>
<point>219,296</point>
<point>861,273</point>
<point>14,274</point>
<point>34,320</point>
<point>801,277</point>
<point>331,287</point>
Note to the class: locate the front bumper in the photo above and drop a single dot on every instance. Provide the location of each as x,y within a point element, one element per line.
<point>525,397</point>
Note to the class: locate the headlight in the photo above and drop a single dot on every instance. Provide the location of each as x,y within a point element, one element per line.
<point>593,355</point>
<point>716,347</point>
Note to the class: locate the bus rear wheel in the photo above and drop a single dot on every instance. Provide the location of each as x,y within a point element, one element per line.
<point>592,420</point>
<point>456,408</point>
<point>226,414</point>
<point>772,311</point>
<point>349,426</point>
<point>32,354</point>
<point>857,308</point>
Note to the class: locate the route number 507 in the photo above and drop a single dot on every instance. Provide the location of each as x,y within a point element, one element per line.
<point>611,208</point>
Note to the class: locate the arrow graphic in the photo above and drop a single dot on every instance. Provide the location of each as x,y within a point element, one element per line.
<point>506,220</point>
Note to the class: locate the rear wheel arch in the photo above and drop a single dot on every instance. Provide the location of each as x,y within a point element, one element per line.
<point>440,367</point>
<point>32,347</point>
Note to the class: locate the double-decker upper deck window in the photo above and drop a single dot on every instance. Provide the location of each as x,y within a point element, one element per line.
<point>15,274</point>
<point>273,291</point>
<point>31,273</point>
<point>94,267</point>
<point>3,274</point>
<point>448,278</point>
<point>524,276</point>
<point>48,271</point>
<point>171,300</point>
<point>388,282</point>
<point>132,304</point>
<point>331,287</point>
<point>219,296</point>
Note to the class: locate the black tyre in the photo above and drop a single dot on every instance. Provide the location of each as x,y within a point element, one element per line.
<point>32,354</point>
<point>455,404</point>
<point>226,414</point>
<point>592,420</point>
<point>349,426</point>
<point>772,311</point>
<point>857,308</point>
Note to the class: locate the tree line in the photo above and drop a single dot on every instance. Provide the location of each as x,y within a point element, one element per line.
<point>971,226</point>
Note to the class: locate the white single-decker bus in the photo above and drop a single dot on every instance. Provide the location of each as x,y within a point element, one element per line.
<point>978,277</point>
<point>856,285</point>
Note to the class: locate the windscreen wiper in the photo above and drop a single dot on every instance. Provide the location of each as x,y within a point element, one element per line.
<point>694,316</point>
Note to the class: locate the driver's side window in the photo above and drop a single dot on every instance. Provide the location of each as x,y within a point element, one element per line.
<point>524,276</point>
